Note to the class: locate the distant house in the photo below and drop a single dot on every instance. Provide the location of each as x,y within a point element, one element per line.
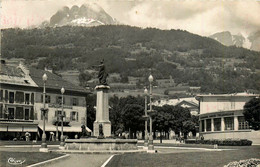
<point>135,80</point>
<point>162,83</point>
<point>191,103</point>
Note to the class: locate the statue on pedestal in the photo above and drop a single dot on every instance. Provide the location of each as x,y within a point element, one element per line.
<point>83,131</point>
<point>102,75</point>
<point>101,133</point>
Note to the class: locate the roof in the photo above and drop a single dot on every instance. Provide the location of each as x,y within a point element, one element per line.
<point>53,81</point>
<point>15,75</point>
<point>11,71</point>
<point>243,94</point>
<point>174,102</point>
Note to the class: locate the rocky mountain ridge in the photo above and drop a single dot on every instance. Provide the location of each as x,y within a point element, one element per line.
<point>86,15</point>
<point>226,38</point>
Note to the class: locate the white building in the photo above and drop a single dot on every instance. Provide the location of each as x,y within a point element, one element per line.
<point>221,117</point>
<point>190,102</point>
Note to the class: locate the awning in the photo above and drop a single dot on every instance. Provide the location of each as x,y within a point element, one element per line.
<point>48,127</point>
<point>30,129</point>
<point>11,128</point>
<point>73,129</point>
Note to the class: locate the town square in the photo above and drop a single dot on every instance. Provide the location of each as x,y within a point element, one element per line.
<point>130,83</point>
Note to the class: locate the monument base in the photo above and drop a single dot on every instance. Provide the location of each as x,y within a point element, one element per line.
<point>101,144</point>
<point>106,128</point>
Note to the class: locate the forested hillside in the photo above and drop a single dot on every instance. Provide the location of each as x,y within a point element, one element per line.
<point>133,51</point>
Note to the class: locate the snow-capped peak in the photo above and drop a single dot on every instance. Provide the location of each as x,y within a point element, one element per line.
<point>85,21</point>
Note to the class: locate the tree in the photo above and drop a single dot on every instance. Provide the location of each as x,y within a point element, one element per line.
<point>115,115</point>
<point>91,112</point>
<point>252,113</point>
<point>83,78</point>
<point>132,118</point>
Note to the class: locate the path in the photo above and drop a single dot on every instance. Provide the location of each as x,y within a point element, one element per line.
<point>86,160</point>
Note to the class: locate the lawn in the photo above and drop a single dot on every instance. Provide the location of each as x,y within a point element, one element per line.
<point>2,143</point>
<point>29,157</point>
<point>194,159</point>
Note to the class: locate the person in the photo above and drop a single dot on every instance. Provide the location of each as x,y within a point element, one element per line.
<point>51,136</point>
<point>202,137</point>
<point>102,75</point>
<point>27,136</point>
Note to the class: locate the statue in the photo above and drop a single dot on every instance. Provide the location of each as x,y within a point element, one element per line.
<point>101,134</point>
<point>102,75</point>
<point>83,131</point>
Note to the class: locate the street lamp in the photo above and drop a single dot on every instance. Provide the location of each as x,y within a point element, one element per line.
<point>44,110</point>
<point>150,145</point>
<point>62,115</point>
<point>145,111</point>
<point>57,122</point>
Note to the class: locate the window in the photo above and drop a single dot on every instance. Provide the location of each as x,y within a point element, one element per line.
<point>59,100</point>
<point>46,115</point>
<point>242,123</point>
<point>229,123</point>
<point>1,111</point>
<point>58,114</point>
<point>202,125</point>
<point>19,113</point>
<point>19,97</point>
<point>208,124</point>
<point>10,113</point>
<point>6,95</point>
<point>1,95</point>
<point>32,98</point>
<point>74,101</point>
<point>27,98</point>
<point>47,98</point>
<point>11,97</point>
<point>74,116</point>
<point>26,114</point>
<point>217,124</point>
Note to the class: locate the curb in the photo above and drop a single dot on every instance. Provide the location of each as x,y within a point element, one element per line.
<point>98,152</point>
<point>49,161</point>
<point>24,146</point>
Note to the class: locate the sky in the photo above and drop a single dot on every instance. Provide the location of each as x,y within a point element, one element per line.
<point>203,17</point>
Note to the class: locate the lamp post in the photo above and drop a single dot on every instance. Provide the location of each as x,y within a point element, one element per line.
<point>150,145</point>
<point>44,109</point>
<point>145,111</point>
<point>62,115</point>
<point>57,122</point>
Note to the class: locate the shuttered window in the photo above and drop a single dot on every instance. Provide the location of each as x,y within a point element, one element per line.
<point>32,98</point>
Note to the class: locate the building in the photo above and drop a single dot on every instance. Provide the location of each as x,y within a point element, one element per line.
<point>74,102</point>
<point>221,117</point>
<point>162,83</point>
<point>17,99</point>
<point>22,99</point>
<point>191,103</point>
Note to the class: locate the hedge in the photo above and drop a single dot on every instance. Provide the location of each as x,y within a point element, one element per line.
<point>253,162</point>
<point>223,142</point>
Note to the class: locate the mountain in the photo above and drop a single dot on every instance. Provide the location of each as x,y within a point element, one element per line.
<point>254,38</point>
<point>132,51</point>
<point>226,38</point>
<point>87,15</point>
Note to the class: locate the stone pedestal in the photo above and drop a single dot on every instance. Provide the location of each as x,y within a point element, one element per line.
<point>102,111</point>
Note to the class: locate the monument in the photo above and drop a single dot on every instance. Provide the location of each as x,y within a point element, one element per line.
<point>102,110</point>
<point>101,139</point>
